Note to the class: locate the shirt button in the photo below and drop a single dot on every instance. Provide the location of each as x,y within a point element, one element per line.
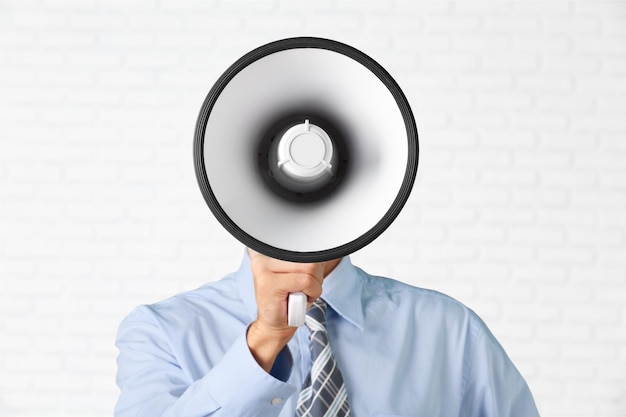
<point>277,401</point>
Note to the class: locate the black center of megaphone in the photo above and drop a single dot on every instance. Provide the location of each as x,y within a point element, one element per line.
<point>289,188</point>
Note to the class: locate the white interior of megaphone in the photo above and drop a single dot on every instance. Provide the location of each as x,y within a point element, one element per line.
<point>296,79</point>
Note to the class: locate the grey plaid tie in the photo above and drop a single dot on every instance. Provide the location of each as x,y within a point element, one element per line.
<point>323,393</point>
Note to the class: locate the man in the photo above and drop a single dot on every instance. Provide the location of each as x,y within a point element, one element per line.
<point>225,349</point>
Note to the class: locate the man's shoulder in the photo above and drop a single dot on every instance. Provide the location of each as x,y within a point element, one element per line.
<point>438,316</point>
<point>394,288</point>
<point>418,300</point>
<point>199,302</point>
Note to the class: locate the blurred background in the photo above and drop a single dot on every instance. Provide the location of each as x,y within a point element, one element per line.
<point>518,211</point>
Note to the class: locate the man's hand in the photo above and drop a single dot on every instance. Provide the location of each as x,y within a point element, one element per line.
<point>274,280</point>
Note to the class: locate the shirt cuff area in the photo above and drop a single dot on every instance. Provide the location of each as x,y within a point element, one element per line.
<point>242,387</point>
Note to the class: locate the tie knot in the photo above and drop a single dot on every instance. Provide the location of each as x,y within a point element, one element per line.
<point>316,316</point>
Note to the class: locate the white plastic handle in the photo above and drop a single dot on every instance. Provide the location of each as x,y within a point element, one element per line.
<point>296,309</point>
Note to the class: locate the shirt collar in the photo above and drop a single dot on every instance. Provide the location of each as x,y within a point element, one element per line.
<point>343,293</point>
<point>341,290</point>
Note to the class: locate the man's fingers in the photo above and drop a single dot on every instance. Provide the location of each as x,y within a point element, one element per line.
<point>263,264</point>
<point>287,282</point>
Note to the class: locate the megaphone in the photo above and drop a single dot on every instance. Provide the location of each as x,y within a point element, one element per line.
<point>305,150</point>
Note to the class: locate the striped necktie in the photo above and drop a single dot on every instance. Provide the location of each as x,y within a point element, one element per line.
<point>323,393</point>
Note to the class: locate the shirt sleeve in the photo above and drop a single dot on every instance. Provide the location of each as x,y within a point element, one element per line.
<point>153,384</point>
<point>493,387</point>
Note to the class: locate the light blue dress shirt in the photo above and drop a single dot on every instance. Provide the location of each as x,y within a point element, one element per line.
<point>403,351</point>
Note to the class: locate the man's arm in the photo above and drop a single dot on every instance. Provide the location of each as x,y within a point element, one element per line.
<point>153,384</point>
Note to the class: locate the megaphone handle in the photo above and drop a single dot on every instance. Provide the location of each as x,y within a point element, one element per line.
<point>296,309</point>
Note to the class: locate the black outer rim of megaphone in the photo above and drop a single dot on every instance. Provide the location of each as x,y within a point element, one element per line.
<point>405,188</point>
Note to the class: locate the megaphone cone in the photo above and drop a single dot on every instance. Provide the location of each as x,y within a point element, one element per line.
<point>305,149</point>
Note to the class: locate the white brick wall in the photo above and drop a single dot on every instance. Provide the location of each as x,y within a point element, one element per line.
<point>519,209</point>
